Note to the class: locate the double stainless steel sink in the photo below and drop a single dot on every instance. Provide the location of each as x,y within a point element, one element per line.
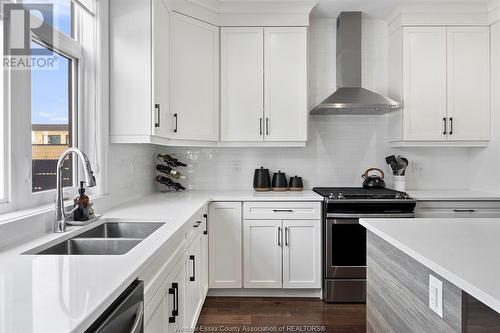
<point>110,238</point>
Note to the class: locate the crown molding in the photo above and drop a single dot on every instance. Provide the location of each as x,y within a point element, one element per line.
<point>257,7</point>
<point>439,14</point>
<point>494,11</point>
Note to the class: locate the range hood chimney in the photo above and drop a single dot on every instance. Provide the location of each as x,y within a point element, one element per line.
<point>351,98</point>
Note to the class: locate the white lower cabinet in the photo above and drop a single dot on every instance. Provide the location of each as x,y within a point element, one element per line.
<point>282,253</point>
<point>225,247</point>
<point>166,312</point>
<point>195,285</point>
<point>301,254</point>
<point>177,303</point>
<point>262,241</point>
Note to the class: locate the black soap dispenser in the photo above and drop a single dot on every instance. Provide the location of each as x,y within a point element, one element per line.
<point>82,201</point>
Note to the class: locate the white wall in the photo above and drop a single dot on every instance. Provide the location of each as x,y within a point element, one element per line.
<point>340,147</point>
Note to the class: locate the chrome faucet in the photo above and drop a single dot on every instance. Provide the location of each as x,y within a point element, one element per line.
<point>61,214</point>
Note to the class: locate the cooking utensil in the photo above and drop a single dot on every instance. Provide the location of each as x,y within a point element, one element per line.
<point>391,160</point>
<point>402,165</point>
<point>373,181</point>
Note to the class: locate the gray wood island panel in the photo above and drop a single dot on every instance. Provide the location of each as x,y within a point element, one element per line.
<point>398,297</point>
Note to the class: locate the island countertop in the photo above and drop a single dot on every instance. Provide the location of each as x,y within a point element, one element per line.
<point>463,251</point>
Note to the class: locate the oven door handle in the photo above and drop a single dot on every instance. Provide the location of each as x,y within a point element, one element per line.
<point>365,216</point>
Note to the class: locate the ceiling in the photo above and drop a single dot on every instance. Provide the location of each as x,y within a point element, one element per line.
<point>374,8</point>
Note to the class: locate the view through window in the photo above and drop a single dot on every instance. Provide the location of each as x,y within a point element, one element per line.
<point>52,110</point>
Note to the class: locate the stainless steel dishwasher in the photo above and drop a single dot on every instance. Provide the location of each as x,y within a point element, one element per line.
<point>125,315</point>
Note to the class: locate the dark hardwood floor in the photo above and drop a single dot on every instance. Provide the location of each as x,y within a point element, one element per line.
<point>256,314</point>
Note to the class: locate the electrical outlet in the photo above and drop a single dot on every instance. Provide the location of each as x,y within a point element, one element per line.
<point>236,166</point>
<point>417,166</point>
<point>436,295</point>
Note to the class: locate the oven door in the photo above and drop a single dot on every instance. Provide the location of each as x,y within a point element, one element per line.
<point>345,244</point>
<point>345,249</point>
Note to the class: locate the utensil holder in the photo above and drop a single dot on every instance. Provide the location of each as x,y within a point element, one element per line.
<point>400,183</point>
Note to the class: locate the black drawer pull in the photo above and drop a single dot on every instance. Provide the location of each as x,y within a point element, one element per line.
<point>173,291</point>
<point>192,278</point>
<point>464,210</point>
<point>283,210</point>
<point>205,216</point>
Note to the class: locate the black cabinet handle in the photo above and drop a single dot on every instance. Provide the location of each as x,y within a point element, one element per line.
<point>445,126</point>
<point>197,224</point>
<point>176,119</point>
<point>451,125</point>
<point>172,291</point>
<point>267,126</point>
<point>205,216</point>
<point>464,210</point>
<point>175,311</point>
<point>286,236</point>
<point>157,109</point>
<point>279,236</point>
<point>260,125</point>
<point>283,210</point>
<point>192,278</point>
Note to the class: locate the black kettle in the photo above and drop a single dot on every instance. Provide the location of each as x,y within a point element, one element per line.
<point>373,181</point>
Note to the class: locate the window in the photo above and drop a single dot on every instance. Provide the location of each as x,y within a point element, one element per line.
<point>51,119</point>
<point>52,107</point>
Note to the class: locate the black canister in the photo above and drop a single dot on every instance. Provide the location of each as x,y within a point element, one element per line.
<point>279,182</point>
<point>262,180</point>
<point>296,183</point>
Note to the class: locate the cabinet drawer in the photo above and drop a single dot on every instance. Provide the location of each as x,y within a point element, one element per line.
<point>458,209</point>
<point>197,224</point>
<point>282,210</point>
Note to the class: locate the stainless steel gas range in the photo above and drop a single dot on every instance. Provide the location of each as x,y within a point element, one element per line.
<point>344,239</point>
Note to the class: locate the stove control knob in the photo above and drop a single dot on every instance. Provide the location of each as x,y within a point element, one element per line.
<point>340,196</point>
<point>402,195</point>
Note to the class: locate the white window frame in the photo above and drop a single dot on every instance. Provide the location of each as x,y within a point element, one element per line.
<point>90,52</point>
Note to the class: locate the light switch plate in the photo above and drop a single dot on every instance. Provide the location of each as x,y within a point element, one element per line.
<point>436,295</point>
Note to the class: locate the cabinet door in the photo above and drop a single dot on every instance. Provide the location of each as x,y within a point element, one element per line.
<point>166,311</point>
<point>285,84</point>
<point>162,120</point>
<point>262,241</point>
<point>195,78</point>
<point>194,280</point>
<point>204,260</point>
<point>468,83</point>
<point>301,254</point>
<point>242,84</point>
<point>424,83</point>
<point>224,243</point>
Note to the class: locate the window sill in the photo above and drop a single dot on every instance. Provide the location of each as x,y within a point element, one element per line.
<point>23,214</point>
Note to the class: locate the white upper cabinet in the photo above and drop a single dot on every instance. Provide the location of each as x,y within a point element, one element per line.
<point>139,70</point>
<point>242,84</point>
<point>161,70</point>
<point>444,83</point>
<point>285,83</point>
<point>194,79</point>
<point>424,82</point>
<point>468,83</point>
<point>264,84</point>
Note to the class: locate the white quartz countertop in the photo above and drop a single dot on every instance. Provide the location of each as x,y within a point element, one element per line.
<point>463,251</point>
<point>453,195</point>
<point>52,293</point>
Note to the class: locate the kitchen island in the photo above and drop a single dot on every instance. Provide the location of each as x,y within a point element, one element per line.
<point>462,254</point>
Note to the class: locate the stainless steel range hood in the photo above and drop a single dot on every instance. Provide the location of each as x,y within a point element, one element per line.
<point>351,98</point>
